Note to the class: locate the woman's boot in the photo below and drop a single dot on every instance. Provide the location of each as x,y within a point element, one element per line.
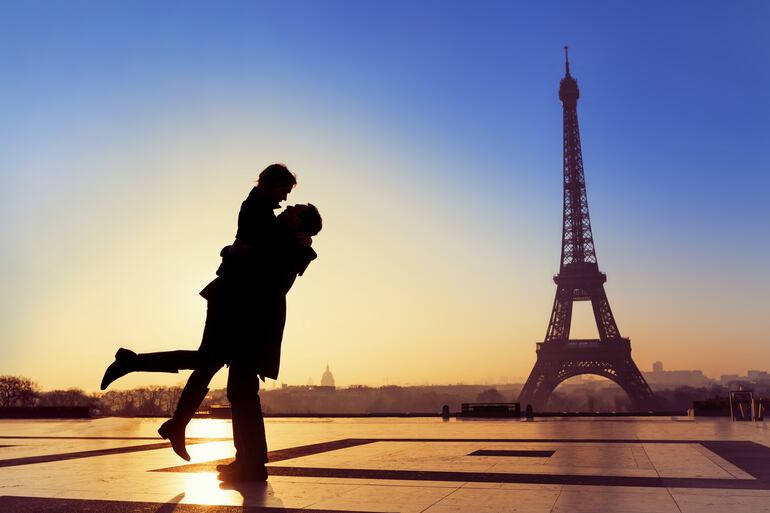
<point>173,429</point>
<point>124,360</point>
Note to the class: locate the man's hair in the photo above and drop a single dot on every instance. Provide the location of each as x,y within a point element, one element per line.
<point>310,221</point>
<point>276,174</point>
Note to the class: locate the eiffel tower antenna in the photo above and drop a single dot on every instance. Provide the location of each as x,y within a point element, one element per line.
<point>566,59</point>
<point>579,279</point>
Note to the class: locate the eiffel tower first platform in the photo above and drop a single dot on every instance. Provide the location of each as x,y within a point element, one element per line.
<point>579,279</point>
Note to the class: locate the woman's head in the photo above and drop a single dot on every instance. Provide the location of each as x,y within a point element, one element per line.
<point>276,181</point>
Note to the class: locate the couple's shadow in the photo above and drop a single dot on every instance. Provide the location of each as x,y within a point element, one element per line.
<point>258,497</point>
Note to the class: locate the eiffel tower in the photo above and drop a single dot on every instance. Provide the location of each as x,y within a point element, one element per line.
<point>579,279</point>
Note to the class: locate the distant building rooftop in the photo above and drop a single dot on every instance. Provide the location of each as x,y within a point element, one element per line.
<point>327,380</point>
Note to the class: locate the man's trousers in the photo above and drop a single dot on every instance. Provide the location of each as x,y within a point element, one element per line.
<point>248,423</point>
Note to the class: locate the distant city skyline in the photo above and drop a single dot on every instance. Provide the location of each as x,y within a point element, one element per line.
<point>658,377</point>
<point>428,135</point>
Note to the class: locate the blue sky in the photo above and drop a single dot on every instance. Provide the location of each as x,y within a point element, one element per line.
<point>428,133</point>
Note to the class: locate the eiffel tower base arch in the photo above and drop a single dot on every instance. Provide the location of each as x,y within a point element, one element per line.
<point>558,361</point>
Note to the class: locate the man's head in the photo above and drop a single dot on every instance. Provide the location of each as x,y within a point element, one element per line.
<point>302,218</point>
<point>276,182</point>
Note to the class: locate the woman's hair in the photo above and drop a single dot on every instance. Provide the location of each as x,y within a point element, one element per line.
<point>277,174</point>
<point>310,221</point>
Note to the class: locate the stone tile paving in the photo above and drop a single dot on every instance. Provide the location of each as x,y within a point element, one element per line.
<point>656,465</point>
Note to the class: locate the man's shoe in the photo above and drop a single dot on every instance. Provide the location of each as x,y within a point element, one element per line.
<point>119,368</point>
<point>172,431</point>
<point>240,475</point>
<point>233,466</point>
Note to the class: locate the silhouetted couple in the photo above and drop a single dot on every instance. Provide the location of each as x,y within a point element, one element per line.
<point>244,321</point>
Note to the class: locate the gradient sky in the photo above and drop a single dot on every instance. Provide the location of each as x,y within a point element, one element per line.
<point>429,136</point>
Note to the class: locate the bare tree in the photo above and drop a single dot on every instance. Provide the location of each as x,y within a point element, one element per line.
<point>152,400</point>
<point>69,397</point>
<point>17,391</point>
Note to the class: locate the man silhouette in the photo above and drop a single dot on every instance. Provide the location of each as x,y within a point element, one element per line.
<point>272,273</point>
<point>244,323</point>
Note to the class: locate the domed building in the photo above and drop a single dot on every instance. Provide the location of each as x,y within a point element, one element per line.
<point>327,380</point>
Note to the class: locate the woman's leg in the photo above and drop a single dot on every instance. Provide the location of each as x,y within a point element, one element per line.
<point>127,361</point>
<point>193,393</point>
<point>167,361</point>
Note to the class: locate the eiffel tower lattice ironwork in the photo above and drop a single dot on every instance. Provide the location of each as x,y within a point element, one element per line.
<point>579,279</point>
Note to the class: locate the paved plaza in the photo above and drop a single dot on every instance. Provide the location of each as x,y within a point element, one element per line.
<point>659,465</point>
